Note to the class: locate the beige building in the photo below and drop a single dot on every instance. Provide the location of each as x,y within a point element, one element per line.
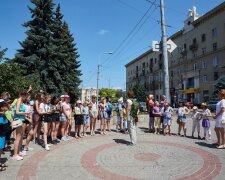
<point>194,66</point>
<point>87,93</point>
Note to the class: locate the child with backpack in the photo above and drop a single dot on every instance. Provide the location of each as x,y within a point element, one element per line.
<point>206,113</point>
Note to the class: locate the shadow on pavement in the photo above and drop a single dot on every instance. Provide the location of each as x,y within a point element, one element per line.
<point>121,141</point>
<point>144,129</point>
<point>204,144</point>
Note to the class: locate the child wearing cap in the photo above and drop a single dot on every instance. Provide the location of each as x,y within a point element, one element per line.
<point>196,117</point>
<point>4,128</point>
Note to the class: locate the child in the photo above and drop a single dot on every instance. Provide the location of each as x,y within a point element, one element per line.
<point>205,120</point>
<point>4,128</point>
<point>157,119</point>
<point>86,118</point>
<point>167,112</point>
<point>196,116</point>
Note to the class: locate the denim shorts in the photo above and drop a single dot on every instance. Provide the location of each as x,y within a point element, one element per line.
<point>63,119</point>
<point>86,119</point>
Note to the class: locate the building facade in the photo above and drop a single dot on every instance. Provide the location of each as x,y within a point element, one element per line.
<point>194,66</point>
<point>87,93</point>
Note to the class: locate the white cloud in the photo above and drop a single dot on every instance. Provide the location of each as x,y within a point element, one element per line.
<point>103,32</point>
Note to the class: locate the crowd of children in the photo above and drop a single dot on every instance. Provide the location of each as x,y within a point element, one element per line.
<point>47,120</point>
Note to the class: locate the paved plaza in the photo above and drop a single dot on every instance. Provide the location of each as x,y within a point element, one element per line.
<point>108,157</point>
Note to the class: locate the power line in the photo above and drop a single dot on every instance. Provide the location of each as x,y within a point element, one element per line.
<point>129,34</point>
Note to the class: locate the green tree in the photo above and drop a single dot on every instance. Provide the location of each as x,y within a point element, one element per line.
<point>2,54</point>
<point>72,73</point>
<point>219,85</point>
<point>48,53</point>
<point>141,92</point>
<point>114,94</point>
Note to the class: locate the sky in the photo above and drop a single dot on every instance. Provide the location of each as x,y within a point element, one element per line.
<point>107,32</point>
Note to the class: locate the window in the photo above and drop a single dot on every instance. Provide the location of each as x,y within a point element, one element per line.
<point>204,65</point>
<point>171,73</point>
<point>194,54</point>
<point>195,66</point>
<point>185,46</point>
<point>194,41</point>
<point>214,46</point>
<point>203,51</point>
<point>215,61</point>
<point>155,60</point>
<point>216,76</point>
<point>205,78</point>
<point>214,32</point>
<point>203,37</point>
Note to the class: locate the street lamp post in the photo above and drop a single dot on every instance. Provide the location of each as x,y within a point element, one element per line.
<point>98,71</point>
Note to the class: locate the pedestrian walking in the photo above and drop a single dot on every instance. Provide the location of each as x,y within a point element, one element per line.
<point>196,117</point>
<point>220,118</point>
<point>103,115</point>
<point>132,111</point>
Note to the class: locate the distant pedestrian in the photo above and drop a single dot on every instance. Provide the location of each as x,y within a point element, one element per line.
<point>220,117</point>
<point>196,117</point>
<point>206,114</point>
<point>183,111</point>
<point>78,117</point>
<point>119,115</point>
<point>94,114</point>
<point>167,112</point>
<point>150,111</point>
<point>109,110</point>
<point>86,118</point>
<point>103,115</point>
<point>157,117</point>
<point>132,111</point>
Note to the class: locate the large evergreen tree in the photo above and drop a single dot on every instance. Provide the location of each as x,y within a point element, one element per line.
<point>48,54</point>
<point>71,75</point>
<point>34,57</point>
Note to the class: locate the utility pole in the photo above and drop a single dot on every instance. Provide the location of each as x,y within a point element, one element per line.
<point>98,72</point>
<point>165,54</point>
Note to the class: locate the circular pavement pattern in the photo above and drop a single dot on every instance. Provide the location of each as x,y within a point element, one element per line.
<point>102,158</point>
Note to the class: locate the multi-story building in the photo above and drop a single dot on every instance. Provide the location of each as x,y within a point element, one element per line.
<point>194,66</point>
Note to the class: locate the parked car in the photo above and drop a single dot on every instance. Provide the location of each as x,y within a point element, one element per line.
<point>189,105</point>
<point>212,105</point>
<point>142,107</point>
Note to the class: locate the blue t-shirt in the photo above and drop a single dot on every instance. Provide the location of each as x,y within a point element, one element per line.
<point>3,119</point>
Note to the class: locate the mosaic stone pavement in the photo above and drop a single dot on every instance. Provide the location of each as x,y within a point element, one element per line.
<point>109,157</point>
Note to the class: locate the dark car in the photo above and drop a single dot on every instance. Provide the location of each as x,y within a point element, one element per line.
<point>142,106</point>
<point>212,105</point>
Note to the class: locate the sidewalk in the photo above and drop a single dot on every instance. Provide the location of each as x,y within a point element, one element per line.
<point>108,157</point>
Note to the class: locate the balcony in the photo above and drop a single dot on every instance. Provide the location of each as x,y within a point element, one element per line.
<point>193,47</point>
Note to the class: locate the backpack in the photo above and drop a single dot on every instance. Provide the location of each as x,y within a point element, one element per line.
<point>134,108</point>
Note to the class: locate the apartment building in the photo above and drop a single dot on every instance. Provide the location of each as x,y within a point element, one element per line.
<point>194,66</point>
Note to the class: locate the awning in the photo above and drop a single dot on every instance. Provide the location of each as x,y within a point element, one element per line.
<point>190,91</point>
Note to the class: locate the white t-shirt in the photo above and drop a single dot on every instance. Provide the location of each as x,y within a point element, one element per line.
<point>129,101</point>
<point>219,106</point>
<point>45,107</point>
<point>94,107</point>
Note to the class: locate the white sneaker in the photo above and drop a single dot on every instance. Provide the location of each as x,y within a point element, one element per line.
<point>23,153</point>
<point>17,158</point>
<point>47,148</point>
<point>64,139</point>
<point>49,145</point>
<point>93,133</point>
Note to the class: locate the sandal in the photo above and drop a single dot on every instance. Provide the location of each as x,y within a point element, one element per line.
<point>3,165</point>
<point>2,168</point>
